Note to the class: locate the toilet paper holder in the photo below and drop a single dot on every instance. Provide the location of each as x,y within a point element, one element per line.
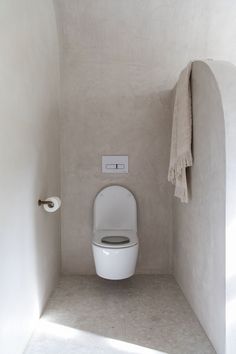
<point>48,202</point>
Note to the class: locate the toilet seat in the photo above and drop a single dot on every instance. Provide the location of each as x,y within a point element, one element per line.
<point>115,240</point>
<point>98,238</point>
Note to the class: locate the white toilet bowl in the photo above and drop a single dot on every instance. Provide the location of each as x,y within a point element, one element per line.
<point>115,240</point>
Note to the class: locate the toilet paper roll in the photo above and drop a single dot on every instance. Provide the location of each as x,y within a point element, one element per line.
<point>56,204</point>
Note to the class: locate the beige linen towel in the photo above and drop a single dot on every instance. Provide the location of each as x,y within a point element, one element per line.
<point>181,140</point>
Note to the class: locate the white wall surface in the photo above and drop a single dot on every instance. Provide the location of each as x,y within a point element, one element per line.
<point>29,166</point>
<point>119,61</point>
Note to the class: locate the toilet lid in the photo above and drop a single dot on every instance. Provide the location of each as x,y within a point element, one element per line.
<point>115,240</point>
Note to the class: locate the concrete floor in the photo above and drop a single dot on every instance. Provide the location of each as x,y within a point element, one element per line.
<point>146,314</point>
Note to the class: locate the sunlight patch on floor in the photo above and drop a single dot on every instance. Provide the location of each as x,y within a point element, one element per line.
<point>56,330</point>
<point>57,336</point>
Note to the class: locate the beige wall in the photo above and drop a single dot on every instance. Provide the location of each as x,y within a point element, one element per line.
<point>225,74</point>
<point>204,230</point>
<point>199,226</point>
<point>29,165</point>
<point>114,102</point>
<point>119,61</point>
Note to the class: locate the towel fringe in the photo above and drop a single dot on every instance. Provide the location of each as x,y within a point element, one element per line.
<point>183,161</point>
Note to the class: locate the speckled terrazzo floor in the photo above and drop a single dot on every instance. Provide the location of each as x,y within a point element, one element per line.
<point>146,314</point>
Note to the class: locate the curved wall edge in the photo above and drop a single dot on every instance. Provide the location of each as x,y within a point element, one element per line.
<point>199,227</point>
<point>225,74</point>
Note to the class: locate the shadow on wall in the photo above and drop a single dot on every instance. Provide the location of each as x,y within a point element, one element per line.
<point>45,226</point>
<point>231,277</point>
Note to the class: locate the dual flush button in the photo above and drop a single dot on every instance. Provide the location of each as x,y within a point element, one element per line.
<point>115,164</point>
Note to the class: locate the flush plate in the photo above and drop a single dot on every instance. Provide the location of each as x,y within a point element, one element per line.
<point>115,164</point>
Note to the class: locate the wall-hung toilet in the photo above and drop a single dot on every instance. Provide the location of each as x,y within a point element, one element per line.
<point>115,240</point>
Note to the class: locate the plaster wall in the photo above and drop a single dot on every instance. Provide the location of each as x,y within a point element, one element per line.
<point>29,164</point>
<point>225,74</point>
<point>119,61</point>
<point>199,226</point>
<point>204,230</point>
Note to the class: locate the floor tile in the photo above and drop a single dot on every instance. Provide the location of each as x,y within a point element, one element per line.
<point>141,315</point>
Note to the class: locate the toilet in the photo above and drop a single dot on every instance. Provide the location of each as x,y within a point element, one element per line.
<point>115,241</point>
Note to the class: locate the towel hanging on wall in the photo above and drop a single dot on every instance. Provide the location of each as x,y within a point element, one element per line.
<point>181,140</point>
